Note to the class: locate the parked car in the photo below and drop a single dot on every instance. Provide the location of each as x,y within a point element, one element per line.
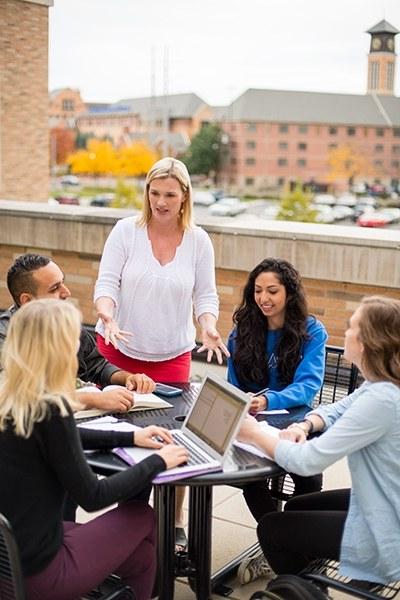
<point>328,199</point>
<point>347,200</point>
<point>103,200</point>
<point>67,199</point>
<point>227,207</point>
<point>324,213</point>
<point>70,180</point>
<point>342,212</point>
<point>204,198</point>
<point>270,212</point>
<point>374,218</point>
<point>218,194</point>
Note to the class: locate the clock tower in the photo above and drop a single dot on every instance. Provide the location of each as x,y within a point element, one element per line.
<point>382,59</point>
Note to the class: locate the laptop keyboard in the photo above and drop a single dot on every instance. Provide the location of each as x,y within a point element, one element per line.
<point>195,458</point>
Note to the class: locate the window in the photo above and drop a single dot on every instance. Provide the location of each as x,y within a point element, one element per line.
<point>379,148</point>
<point>68,104</point>
<point>303,128</point>
<point>351,131</point>
<point>332,146</point>
<point>233,161</point>
<point>281,181</point>
<point>251,127</point>
<point>380,132</point>
<point>301,162</point>
<point>302,146</point>
<point>282,162</point>
<point>283,128</point>
<point>378,163</point>
<point>396,149</point>
<point>395,164</point>
<point>373,76</point>
<point>250,161</point>
<point>389,75</point>
<point>249,181</point>
<point>332,130</point>
<point>250,145</point>
<point>283,146</point>
<point>396,131</point>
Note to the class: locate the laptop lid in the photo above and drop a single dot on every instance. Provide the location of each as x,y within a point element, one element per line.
<point>215,416</point>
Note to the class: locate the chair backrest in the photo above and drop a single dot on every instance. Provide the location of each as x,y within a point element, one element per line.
<point>340,379</point>
<point>11,579</point>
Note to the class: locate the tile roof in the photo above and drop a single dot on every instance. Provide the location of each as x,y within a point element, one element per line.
<point>315,107</point>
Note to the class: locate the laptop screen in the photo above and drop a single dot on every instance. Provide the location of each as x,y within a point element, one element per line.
<point>215,415</point>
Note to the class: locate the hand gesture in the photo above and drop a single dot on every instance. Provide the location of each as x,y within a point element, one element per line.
<point>118,399</point>
<point>293,434</point>
<point>112,332</point>
<point>247,430</point>
<point>140,383</point>
<point>212,342</point>
<point>257,403</point>
<point>152,437</point>
<point>173,455</point>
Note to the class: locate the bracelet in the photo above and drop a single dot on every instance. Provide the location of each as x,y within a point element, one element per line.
<point>298,425</point>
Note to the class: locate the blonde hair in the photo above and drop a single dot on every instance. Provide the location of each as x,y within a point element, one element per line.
<point>39,360</point>
<point>170,167</point>
<point>380,335</point>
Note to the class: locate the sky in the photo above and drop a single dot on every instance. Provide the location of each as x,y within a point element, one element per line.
<point>115,49</point>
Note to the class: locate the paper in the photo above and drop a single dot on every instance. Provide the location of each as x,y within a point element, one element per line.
<point>108,424</point>
<point>141,402</point>
<point>277,411</point>
<point>274,431</point>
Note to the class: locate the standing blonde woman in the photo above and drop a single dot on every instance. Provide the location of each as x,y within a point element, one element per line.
<point>41,458</point>
<point>154,271</point>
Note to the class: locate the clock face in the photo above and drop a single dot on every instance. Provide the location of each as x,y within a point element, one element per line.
<point>376,43</point>
<point>390,43</point>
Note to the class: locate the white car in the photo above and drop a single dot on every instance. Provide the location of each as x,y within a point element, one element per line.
<point>227,207</point>
<point>204,198</point>
<point>70,180</point>
<point>327,199</point>
<point>347,200</point>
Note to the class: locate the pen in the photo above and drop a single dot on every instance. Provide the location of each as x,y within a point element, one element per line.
<point>261,392</point>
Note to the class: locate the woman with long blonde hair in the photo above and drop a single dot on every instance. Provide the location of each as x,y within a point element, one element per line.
<point>41,458</point>
<point>361,526</point>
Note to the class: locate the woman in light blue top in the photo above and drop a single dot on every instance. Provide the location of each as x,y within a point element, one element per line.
<point>361,527</point>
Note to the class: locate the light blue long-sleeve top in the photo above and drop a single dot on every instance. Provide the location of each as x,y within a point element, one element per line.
<point>308,377</point>
<point>365,427</point>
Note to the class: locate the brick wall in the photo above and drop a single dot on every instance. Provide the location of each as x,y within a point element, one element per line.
<point>330,301</point>
<point>24,157</point>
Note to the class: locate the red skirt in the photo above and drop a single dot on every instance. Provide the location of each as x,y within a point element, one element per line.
<point>174,370</point>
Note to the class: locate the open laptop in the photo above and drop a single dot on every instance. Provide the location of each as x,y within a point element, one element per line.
<point>207,432</point>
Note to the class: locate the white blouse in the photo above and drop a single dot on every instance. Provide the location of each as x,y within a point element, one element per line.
<point>155,302</point>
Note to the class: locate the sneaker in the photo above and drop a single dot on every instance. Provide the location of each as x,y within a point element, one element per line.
<point>253,567</point>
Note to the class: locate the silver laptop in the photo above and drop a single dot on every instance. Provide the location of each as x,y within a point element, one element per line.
<point>207,432</point>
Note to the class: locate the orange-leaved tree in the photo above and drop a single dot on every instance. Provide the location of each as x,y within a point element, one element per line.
<point>100,158</point>
<point>347,162</point>
<point>135,159</point>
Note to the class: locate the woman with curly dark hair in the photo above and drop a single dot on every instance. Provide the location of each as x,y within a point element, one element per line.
<point>275,344</point>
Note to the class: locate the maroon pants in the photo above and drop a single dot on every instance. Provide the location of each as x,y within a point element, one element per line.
<point>121,541</point>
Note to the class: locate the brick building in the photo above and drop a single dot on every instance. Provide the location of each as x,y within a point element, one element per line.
<point>170,120</point>
<point>279,136</point>
<point>65,105</point>
<point>24,156</point>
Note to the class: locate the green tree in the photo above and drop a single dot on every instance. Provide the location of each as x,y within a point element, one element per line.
<point>126,196</point>
<point>296,206</point>
<point>206,151</point>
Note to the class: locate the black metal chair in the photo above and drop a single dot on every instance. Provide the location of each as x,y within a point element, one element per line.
<point>325,572</point>
<point>316,581</point>
<point>12,581</point>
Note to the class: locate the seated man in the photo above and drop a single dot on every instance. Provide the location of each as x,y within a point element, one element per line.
<point>33,276</point>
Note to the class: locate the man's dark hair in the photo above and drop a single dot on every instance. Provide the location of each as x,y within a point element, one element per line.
<point>19,276</point>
